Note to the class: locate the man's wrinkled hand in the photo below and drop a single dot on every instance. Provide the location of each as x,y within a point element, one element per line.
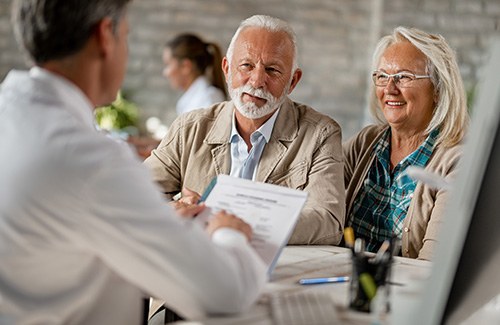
<point>225,220</point>
<point>187,210</point>
<point>189,197</point>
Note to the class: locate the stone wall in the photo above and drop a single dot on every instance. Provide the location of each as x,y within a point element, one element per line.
<point>336,38</point>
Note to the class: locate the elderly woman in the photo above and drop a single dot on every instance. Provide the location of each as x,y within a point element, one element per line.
<point>420,104</point>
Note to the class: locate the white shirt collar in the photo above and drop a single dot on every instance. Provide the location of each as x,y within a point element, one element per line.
<point>184,104</point>
<point>265,129</point>
<point>69,93</point>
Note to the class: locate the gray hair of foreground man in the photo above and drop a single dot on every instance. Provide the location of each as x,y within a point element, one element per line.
<point>271,24</point>
<point>54,29</point>
<point>450,111</point>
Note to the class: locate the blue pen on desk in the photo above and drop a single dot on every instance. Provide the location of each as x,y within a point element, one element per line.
<point>335,279</point>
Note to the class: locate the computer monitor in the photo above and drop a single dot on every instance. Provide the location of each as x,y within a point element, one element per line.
<point>465,273</point>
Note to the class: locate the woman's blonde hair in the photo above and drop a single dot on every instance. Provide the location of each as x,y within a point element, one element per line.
<point>450,113</point>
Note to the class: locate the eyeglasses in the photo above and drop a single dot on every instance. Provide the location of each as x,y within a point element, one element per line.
<point>401,79</point>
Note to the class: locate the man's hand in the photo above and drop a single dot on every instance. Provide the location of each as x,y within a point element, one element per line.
<point>143,145</point>
<point>187,206</point>
<point>187,210</point>
<point>225,220</point>
<point>189,197</point>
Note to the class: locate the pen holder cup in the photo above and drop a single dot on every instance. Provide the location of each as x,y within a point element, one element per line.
<point>369,274</point>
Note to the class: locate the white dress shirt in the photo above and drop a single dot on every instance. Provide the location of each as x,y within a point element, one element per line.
<point>201,94</point>
<point>85,234</point>
<point>244,161</point>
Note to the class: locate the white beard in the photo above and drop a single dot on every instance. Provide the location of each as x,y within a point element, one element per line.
<point>251,110</point>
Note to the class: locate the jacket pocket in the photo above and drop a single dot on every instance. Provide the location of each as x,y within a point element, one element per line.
<point>294,177</point>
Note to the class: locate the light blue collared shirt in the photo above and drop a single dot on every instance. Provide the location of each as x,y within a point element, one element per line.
<point>243,162</point>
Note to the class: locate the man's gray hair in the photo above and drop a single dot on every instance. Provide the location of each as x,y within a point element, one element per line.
<point>450,113</point>
<point>53,29</point>
<point>271,24</point>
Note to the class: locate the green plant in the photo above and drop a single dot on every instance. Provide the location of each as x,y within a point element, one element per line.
<point>119,115</point>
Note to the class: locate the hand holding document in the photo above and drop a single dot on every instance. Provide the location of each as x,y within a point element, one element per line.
<point>271,210</point>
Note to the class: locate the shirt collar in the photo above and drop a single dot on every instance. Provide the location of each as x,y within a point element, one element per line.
<point>69,93</point>
<point>265,129</point>
<point>197,86</point>
<point>419,157</point>
<point>382,148</point>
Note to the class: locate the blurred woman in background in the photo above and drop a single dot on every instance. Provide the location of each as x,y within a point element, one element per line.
<point>194,67</point>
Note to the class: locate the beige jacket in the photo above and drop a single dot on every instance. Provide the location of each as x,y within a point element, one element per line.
<point>425,213</point>
<point>304,153</point>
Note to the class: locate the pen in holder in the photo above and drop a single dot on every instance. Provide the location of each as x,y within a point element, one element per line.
<point>369,273</point>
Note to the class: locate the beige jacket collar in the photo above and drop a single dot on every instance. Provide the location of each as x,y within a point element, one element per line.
<point>285,130</point>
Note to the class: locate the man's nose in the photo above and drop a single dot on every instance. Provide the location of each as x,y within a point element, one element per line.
<point>258,77</point>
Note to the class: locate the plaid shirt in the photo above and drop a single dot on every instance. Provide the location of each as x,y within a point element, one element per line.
<point>382,202</point>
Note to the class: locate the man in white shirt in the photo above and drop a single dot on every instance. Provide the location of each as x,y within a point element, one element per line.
<point>84,234</point>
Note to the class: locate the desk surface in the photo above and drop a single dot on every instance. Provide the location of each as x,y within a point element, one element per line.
<point>298,262</point>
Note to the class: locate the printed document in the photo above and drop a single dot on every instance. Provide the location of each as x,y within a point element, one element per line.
<point>271,210</point>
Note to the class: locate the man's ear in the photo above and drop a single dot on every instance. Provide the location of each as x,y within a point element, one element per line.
<point>295,80</point>
<point>105,36</point>
<point>225,68</point>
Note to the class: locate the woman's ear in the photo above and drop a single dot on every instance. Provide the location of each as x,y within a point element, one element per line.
<point>187,66</point>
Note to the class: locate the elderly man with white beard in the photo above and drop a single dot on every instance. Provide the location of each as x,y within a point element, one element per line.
<point>260,134</point>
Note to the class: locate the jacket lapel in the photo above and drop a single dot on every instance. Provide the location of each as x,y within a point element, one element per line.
<point>285,130</point>
<point>218,136</point>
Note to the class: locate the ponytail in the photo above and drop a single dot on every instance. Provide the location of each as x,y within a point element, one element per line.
<point>216,75</point>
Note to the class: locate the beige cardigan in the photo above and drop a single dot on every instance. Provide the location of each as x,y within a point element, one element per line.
<point>425,213</point>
